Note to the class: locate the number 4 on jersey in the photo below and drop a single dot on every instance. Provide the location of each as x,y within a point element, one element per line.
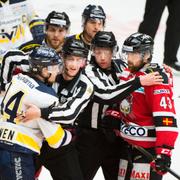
<point>11,106</point>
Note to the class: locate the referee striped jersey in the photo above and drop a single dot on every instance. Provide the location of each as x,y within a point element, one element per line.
<point>12,59</point>
<point>73,98</point>
<point>17,59</point>
<point>89,95</point>
<point>107,90</point>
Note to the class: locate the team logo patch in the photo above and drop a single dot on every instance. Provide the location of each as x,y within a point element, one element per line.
<point>125,105</point>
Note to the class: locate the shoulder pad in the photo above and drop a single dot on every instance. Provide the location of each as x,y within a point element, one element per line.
<point>28,46</point>
<point>77,36</point>
<point>70,36</point>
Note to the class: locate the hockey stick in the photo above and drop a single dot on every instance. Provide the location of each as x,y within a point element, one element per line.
<point>151,158</point>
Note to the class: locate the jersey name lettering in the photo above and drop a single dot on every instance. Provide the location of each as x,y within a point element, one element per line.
<point>6,134</point>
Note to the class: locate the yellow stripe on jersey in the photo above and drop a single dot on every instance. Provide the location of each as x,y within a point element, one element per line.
<point>28,141</point>
<point>29,47</point>
<point>56,137</point>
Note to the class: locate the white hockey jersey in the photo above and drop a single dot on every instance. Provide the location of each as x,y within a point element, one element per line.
<point>14,17</point>
<point>29,135</point>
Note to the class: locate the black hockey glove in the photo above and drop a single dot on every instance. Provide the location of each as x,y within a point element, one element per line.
<point>109,123</point>
<point>162,161</point>
<point>111,120</point>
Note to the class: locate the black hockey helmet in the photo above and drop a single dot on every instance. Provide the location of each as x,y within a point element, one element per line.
<point>138,42</point>
<point>41,57</point>
<point>75,47</point>
<point>59,19</point>
<point>104,39</point>
<point>93,12</point>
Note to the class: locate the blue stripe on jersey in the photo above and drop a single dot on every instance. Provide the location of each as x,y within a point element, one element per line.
<point>44,88</point>
<point>15,147</point>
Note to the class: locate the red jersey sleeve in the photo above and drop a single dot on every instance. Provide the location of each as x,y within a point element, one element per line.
<point>161,102</point>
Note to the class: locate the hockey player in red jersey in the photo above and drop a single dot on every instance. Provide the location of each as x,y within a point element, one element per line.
<point>148,114</point>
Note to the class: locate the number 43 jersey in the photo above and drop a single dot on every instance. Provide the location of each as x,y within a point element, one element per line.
<point>148,114</point>
<point>28,136</point>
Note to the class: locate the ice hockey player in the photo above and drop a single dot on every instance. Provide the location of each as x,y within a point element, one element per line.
<point>57,27</point>
<point>104,91</point>
<point>21,141</point>
<point>148,114</point>
<point>93,20</point>
<point>103,71</point>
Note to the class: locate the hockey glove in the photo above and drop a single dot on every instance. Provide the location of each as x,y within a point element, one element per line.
<point>37,29</point>
<point>111,120</point>
<point>162,161</point>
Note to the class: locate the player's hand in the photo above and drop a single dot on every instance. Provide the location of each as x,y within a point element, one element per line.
<point>162,161</point>
<point>31,112</point>
<point>151,79</point>
<point>167,68</point>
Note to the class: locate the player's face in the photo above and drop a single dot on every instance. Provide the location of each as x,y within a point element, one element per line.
<point>72,65</point>
<point>55,36</point>
<point>134,61</point>
<point>103,57</point>
<point>91,27</point>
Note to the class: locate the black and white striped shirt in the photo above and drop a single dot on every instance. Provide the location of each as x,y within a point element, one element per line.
<point>107,90</point>
<point>92,91</point>
<point>73,98</point>
<point>11,60</point>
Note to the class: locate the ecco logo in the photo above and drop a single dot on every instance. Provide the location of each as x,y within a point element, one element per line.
<point>133,130</point>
